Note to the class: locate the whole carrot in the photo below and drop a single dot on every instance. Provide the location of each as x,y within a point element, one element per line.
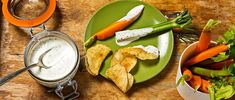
<point>205,37</point>
<point>110,30</point>
<point>207,54</point>
<point>187,75</point>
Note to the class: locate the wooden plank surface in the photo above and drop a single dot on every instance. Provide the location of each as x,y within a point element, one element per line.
<point>71,17</point>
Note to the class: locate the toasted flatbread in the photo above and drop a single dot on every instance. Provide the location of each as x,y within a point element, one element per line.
<point>139,53</point>
<point>118,75</point>
<point>128,61</point>
<point>95,57</point>
<point>130,81</point>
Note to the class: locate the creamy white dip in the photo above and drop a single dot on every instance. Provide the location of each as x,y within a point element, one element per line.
<point>127,36</point>
<point>133,13</point>
<point>62,58</point>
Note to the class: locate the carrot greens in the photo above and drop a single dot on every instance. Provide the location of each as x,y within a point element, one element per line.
<point>222,56</point>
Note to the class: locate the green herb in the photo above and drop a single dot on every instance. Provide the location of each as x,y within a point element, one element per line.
<point>228,37</point>
<point>222,56</point>
<point>219,82</point>
<point>232,51</point>
<point>210,24</point>
<point>231,69</point>
<point>224,92</point>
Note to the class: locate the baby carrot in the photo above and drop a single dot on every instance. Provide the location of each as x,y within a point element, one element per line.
<point>110,30</point>
<point>207,54</point>
<point>195,82</point>
<point>205,37</point>
<point>187,75</point>
<point>204,86</point>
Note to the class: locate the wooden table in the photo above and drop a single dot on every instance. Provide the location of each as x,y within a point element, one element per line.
<point>71,17</point>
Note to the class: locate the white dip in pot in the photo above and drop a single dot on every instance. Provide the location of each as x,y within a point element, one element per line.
<point>63,58</point>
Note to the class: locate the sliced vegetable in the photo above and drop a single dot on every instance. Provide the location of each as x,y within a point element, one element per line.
<point>125,37</point>
<point>209,72</point>
<point>204,86</point>
<point>207,54</point>
<point>195,82</point>
<point>187,75</point>
<point>205,37</point>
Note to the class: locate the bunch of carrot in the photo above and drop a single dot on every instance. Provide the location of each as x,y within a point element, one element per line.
<point>207,66</point>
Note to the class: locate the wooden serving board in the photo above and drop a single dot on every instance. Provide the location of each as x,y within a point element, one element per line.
<point>71,17</point>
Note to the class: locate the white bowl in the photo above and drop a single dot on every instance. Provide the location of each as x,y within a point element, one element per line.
<point>186,91</point>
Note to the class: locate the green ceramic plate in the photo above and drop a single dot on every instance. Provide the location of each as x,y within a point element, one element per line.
<point>110,13</point>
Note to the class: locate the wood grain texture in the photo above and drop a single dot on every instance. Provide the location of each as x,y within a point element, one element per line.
<point>71,17</point>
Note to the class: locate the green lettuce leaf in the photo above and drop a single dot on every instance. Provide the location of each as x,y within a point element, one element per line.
<point>225,92</point>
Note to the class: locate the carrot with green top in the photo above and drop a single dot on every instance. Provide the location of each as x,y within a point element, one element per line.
<point>187,75</point>
<point>207,54</point>
<point>195,82</point>
<point>205,37</point>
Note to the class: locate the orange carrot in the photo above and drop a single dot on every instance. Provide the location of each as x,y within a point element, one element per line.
<point>204,86</point>
<point>187,75</point>
<point>220,65</point>
<point>195,82</point>
<point>204,41</point>
<point>207,54</point>
<point>205,37</point>
<point>110,30</point>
